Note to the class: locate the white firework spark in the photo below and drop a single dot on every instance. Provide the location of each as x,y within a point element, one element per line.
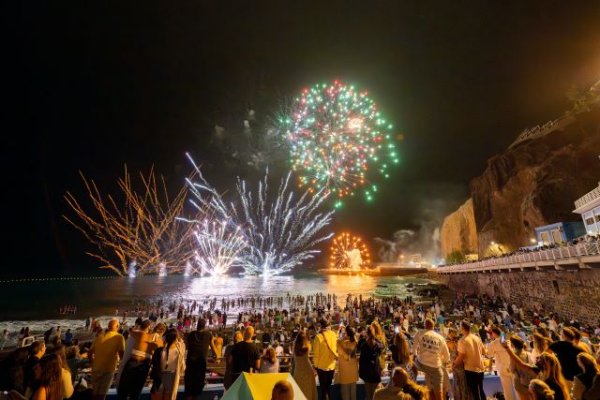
<point>219,247</point>
<point>280,232</point>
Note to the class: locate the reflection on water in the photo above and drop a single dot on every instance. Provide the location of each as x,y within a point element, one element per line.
<point>353,284</point>
<point>276,286</point>
<point>42,300</point>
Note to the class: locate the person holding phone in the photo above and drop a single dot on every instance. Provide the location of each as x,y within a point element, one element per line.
<point>502,360</point>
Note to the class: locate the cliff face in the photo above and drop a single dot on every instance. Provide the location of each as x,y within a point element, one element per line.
<point>534,183</point>
<point>459,231</point>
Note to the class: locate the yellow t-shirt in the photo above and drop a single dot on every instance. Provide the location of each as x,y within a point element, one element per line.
<point>473,349</point>
<point>323,358</point>
<point>106,348</point>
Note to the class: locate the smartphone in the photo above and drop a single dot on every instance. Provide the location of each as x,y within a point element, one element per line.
<point>502,337</point>
<point>397,329</point>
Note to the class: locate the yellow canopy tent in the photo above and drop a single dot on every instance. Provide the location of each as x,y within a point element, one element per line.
<point>259,387</point>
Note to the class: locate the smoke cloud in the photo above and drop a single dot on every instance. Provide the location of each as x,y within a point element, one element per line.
<point>432,203</point>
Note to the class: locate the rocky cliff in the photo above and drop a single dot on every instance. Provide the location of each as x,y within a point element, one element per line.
<point>531,184</point>
<point>459,231</point>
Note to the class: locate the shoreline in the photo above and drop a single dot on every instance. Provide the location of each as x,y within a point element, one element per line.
<point>38,326</point>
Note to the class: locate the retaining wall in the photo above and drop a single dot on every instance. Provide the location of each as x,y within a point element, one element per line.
<point>570,293</point>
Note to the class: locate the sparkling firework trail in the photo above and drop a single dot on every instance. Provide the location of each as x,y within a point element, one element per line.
<point>339,141</point>
<point>349,252</point>
<point>134,231</point>
<point>280,232</point>
<point>219,247</point>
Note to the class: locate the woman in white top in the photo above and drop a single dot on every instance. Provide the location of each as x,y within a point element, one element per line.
<point>67,380</point>
<point>172,364</point>
<point>540,345</point>
<point>270,362</point>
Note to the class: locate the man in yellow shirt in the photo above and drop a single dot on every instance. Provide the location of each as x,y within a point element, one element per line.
<point>324,357</point>
<point>470,355</point>
<point>107,349</point>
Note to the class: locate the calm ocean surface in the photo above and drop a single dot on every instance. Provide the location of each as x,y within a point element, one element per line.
<point>38,302</point>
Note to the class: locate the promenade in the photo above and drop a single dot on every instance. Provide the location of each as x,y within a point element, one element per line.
<point>578,256</point>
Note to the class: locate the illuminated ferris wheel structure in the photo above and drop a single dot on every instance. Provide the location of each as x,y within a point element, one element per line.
<point>349,252</point>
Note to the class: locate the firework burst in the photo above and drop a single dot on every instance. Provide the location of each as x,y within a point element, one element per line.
<point>220,247</point>
<point>348,251</point>
<point>339,141</point>
<point>280,229</point>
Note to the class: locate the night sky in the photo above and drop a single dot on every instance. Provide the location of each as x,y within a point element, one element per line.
<point>92,85</point>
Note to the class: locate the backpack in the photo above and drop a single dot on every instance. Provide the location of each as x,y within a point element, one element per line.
<point>593,393</point>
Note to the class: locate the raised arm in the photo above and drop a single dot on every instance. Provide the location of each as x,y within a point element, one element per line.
<point>516,361</point>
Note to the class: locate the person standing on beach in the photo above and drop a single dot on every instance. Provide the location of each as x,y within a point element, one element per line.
<point>431,356</point>
<point>244,356</point>
<point>198,343</point>
<point>135,371</point>
<point>567,352</point>
<point>172,364</point>
<point>227,380</point>
<point>36,352</point>
<point>470,353</point>
<point>107,349</point>
<point>369,366</point>
<point>502,361</point>
<point>324,357</point>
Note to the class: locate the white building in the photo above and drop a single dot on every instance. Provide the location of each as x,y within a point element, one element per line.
<point>589,208</point>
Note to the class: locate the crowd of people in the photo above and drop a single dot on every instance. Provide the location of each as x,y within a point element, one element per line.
<point>447,344</point>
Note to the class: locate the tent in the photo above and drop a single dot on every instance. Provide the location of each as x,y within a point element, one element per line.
<point>259,387</point>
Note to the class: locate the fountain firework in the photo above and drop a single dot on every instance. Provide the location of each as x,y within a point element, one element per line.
<point>131,271</point>
<point>188,270</point>
<point>219,247</point>
<point>133,231</point>
<point>162,270</point>
<point>279,233</point>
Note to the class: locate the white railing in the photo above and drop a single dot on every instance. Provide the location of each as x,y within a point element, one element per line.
<point>574,252</point>
<point>539,131</point>
<point>588,198</point>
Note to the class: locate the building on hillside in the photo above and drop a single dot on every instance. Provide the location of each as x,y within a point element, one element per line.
<point>560,232</point>
<point>588,206</point>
